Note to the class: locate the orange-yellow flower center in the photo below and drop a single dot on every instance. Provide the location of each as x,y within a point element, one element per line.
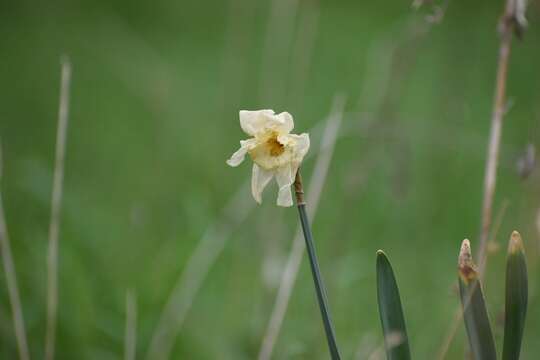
<point>274,146</point>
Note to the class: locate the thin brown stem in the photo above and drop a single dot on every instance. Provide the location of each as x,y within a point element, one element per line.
<point>299,189</point>
<point>52,259</point>
<point>499,106</point>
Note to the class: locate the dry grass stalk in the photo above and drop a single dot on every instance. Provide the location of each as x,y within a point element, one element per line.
<point>302,52</point>
<point>277,44</point>
<point>130,339</point>
<point>192,277</point>
<point>12,287</point>
<point>56,201</point>
<point>508,24</point>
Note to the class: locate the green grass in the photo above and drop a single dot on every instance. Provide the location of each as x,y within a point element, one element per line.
<point>156,91</point>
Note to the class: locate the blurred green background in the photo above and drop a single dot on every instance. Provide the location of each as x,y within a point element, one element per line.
<point>156,90</point>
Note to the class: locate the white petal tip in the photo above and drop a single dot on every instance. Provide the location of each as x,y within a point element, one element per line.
<point>285,204</point>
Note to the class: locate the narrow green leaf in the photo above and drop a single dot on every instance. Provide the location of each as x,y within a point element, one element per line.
<point>516,298</point>
<point>475,314</point>
<point>395,334</point>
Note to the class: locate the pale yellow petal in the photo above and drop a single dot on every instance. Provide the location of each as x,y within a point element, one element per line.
<point>284,179</point>
<point>261,122</point>
<point>285,122</point>
<point>301,147</point>
<point>260,178</point>
<point>254,122</point>
<point>238,157</point>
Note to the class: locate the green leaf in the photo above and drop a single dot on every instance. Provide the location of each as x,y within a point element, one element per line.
<point>516,298</point>
<point>475,314</point>
<point>395,334</point>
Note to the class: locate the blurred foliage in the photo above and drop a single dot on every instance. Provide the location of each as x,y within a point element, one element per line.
<point>155,94</point>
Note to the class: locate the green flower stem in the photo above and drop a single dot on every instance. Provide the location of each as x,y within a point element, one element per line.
<point>317,278</point>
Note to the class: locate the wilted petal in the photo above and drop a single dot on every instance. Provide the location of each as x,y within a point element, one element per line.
<point>302,145</point>
<point>263,121</point>
<point>285,122</point>
<point>285,178</point>
<point>237,158</point>
<point>253,122</point>
<point>259,179</point>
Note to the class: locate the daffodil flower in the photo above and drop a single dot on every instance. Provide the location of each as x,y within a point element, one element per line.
<point>274,150</point>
